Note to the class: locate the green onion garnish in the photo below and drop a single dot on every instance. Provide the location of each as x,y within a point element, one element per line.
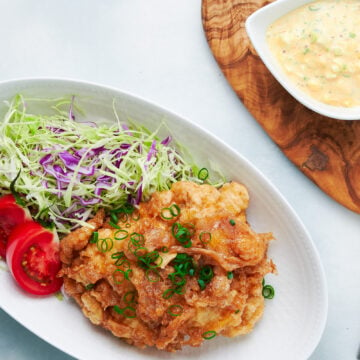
<point>129,297</point>
<point>114,225</point>
<point>124,275</point>
<point>89,286</point>
<point>268,292</point>
<point>205,237</point>
<point>171,212</point>
<point>230,275</point>
<point>164,249</point>
<point>168,293</point>
<point>94,237</point>
<point>128,311</point>
<point>207,335</point>
<point>152,275</point>
<point>201,283</point>
<point>182,234</point>
<point>206,272</point>
<point>105,244</point>
<point>120,259</point>
<point>203,174</point>
<point>121,234</point>
<point>175,310</point>
<point>232,222</point>
<point>114,217</point>
<point>123,217</point>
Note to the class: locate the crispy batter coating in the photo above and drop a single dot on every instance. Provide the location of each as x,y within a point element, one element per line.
<point>117,291</point>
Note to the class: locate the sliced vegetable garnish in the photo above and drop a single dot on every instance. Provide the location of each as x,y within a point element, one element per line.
<point>129,297</point>
<point>230,275</point>
<point>208,335</point>
<point>94,237</point>
<point>121,234</point>
<point>105,244</point>
<point>119,276</point>
<point>128,311</point>
<point>67,170</point>
<point>232,222</point>
<point>205,237</point>
<point>11,215</point>
<point>152,275</point>
<point>171,212</point>
<point>175,310</point>
<point>268,292</point>
<point>182,233</point>
<point>32,255</point>
<point>203,174</point>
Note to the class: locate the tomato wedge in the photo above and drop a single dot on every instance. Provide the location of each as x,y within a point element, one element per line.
<point>32,255</point>
<point>11,214</point>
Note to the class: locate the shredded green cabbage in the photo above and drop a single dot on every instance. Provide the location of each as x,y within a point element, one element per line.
<point>114,164</point>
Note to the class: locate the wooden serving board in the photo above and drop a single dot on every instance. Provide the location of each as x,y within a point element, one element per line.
<point>324,149</point>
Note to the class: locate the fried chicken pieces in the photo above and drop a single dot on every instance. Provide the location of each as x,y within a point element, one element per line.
<point>128,280</point>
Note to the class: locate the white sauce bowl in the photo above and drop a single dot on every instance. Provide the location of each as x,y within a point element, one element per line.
<point>256,26</point>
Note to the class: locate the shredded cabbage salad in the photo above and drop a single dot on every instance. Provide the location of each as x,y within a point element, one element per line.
<point>68,170</point>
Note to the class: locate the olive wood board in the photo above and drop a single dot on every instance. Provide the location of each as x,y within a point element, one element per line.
<point>326,150</point>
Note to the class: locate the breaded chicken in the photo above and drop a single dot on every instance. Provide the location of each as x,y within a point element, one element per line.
<point>183,267</point>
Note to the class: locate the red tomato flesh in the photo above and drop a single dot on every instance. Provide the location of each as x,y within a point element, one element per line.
<point>32,255</point>
<point>11,214</point>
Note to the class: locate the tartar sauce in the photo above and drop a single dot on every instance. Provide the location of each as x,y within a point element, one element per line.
<point>318,47</point>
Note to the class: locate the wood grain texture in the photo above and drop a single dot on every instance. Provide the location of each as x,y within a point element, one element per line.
<point>324,149</point>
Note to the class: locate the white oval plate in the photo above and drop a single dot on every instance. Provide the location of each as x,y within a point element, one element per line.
<point>293,321</point>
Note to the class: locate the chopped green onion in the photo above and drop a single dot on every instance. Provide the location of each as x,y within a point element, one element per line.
<point>237,311</point>
<point>114,217</point>
<point>168,293</point>
<point>268,292</point>
<point>175,310</point>
<point>105,244</point>
<point>207,335</point>
<point>137,217</point>
<point>123,217</point>
<point>177,279</point>
<point>166,213</point>
<point>232,222</point>
<point>89,286</point>
<point>175,210</point>
<point>164,249</point>
<point>171,212</point>
<point>205,237</point>
<point>201,283</point>
<point>114,225</point>
<point>121,234</point>
<point>152,275</point>
<point>94,237</point>
<point>230,275</point>
<point>128,311</point>
<point>127,208</point>
<point>206,273</point>
<point>182,234</point>
<point>125,275</point>
<point>203,174</point>
<point>132,295</point>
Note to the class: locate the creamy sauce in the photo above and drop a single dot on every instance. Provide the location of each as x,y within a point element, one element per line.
<point>318,47</point>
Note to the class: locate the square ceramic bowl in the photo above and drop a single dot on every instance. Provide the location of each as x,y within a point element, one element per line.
<point>256,26</point>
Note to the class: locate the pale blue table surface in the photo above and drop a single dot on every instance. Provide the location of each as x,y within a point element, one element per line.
<point>157,49</point>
